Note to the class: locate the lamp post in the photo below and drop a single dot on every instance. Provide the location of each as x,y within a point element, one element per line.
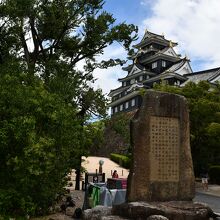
<point>101,162</point>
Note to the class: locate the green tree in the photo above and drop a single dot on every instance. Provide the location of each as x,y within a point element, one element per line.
<point>42,43</point>
<point>50,38</point>
<point>37,133</point>
<point>68,29</point>
<point>120,123</point>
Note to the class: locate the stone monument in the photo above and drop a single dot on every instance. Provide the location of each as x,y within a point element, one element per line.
<point>162,167</point>
<point>161,179</point>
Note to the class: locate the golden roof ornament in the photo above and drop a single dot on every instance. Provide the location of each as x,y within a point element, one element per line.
<point>135,60</point>
<point>170,44</point>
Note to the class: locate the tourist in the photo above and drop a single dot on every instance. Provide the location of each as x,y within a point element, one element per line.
<point>115,174</point>
<point>205,177</point>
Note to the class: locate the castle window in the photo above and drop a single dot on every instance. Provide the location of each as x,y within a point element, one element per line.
<point>133,102</point>
<point>163,63</point>
<point>154,65</point>
<point>124,84</point>
<point>116,109</point>
<point>121,107</point>
<point>140,78</point>
<point>126,105</point>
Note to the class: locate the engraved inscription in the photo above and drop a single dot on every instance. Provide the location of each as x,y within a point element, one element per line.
<point>164,149</point>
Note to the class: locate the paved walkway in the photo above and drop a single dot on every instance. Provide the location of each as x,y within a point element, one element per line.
<point>213,190</point>
<point>92,163</point>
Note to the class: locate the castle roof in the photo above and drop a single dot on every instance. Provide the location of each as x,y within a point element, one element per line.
<point>166,75</point>
<point>180,65</point>
<point>210,75</point>
<point>150,37</point>
<point>118,90</point>
<point>124,98</point>
<point>145,72</point>
<point>129,67</point>
<point>166,54</point>
<point>135,70</point>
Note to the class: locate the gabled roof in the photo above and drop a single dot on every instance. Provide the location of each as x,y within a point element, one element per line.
<point>143,72</point>
<point>124,98</point>
<point>159,54</point>
<point>140,52</point>
<point>210,75</point>
<point>129,67</point>
<point>166,75</point>
<point>114,92</point>
<point>169,51</point>
<point>149,34</point>
<point>181,67</point>
<point>150,37</point>
<point>135,69</point>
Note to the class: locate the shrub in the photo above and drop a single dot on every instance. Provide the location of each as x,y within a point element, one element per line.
<point>12,200</point>
<point>123,160</point>
<point>214,174</point>
<point>37,132</point>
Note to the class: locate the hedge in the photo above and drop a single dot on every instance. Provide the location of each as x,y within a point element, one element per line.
<point>123,160</point>
<point>214,174</point>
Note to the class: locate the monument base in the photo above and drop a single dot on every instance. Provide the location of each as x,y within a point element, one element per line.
<point>172,210</point>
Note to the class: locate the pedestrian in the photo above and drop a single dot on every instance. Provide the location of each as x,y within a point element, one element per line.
<point>205,178</point>
<point>115,174</point>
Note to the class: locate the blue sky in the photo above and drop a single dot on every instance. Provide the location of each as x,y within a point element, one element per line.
<point>130,11</point>
<point>194,24</point>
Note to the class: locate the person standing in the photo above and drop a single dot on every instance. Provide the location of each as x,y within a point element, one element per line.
<point>115,174</point>
<point>205,178</point>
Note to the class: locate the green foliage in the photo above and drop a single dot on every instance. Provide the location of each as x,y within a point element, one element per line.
<point>45,100</point>
<point>214,174</point>
<point>38,137</point>
<point>95,134</point>
<point>142,92</point>
<point>204,106</point>
<point>123,160</point>
<point>120,124</point>
<point>73,30</point>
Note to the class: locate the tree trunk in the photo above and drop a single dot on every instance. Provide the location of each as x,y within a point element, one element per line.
<point>81,114</point>
<point>77,186</point>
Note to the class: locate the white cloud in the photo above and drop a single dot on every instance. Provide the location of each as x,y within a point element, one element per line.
<point>107,78</point>
<point>146,2</point>
<point>194,24</point>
